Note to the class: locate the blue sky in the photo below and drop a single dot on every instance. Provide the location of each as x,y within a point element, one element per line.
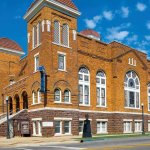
<point>126,21</point>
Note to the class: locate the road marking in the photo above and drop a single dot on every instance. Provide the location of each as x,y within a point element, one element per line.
<point>64,147</point>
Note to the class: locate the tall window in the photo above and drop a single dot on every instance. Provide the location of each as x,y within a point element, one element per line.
<point>36,62</point>
<point>39,33</point>
<point>138,126</point>
<point>101,88</point>
<point>39,96</point>
<point>34,37</point>
<point>148,88</point>
<point>34,97</point>
<point>127,126</point>
<point>67,96</point>
<point>84,86</point>
<point>132,90</point>
<point>56,32</point>
<point>62,62</point>
<point>65,35</point>
<point>57,95</point>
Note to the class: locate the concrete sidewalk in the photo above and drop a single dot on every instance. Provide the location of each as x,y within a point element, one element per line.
<point>35,141</point>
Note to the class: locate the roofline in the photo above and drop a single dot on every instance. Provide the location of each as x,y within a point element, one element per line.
<point>99,41</point>
<point>73,11</point>
<point>11,51</point>
<point>128,46</point>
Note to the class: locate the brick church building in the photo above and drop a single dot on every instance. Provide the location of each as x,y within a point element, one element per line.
<point>68,74</point>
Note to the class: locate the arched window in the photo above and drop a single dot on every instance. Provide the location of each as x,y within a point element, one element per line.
<point>84,86</point>
<point>101,88</point>
<point>67,96</point>
<point>56,32</point>
<point>65,35</point>
<point>148,90</point>
<point>34,97</point>
<point>57,95</point>
<point>132,90</point>
<point>39,96</point>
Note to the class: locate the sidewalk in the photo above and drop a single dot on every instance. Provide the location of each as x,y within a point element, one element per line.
<point>35,141</point>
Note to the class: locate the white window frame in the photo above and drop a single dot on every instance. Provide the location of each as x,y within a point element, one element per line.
<point>64,56</point>
<point>66,35</point>
<point>137,124</point>
<point>84,83</point>
<point>148,93</point>
<point>39,34</point>
<point>100,121</point>
<point>34,97</point>
<point>37,123</point>
<point>69,127</point>
<point>35,60</point>
<point>101,86</point>
<point>60,100</point>
<point>39,96</point>
<point>69,96</point>
<point>127,122</point>
<point>129,89</point>
<point>58,33</point>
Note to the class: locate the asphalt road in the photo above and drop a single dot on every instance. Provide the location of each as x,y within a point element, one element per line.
<point>136,143</point>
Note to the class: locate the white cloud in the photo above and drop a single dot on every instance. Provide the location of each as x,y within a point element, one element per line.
<point>108,15</point>
<point>118,33</point>
<point>125,12</point>
<point>115,34</point>
<point>148,25</point>
<point>91,23</point>
<point>147,37</point>
<point>141,6</point>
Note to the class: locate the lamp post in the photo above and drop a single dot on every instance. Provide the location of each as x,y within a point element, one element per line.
<point>8,135</point>
<point>143,132</point>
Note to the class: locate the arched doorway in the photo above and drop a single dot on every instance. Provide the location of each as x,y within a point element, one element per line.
<point>17,99</point>
<point>25,100</point>
<point>10,106</point>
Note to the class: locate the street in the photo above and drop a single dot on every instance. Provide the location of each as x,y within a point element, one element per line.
<point>136,143</point>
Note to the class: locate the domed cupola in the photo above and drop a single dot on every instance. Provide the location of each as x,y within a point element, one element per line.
<point>91,33</point>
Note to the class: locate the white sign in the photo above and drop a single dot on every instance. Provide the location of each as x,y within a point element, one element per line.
<point>47,124</point>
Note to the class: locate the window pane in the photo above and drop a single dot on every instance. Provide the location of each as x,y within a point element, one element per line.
<point>66,126</point>
<point>57,95</point>
<point>56,32</point>
<point>137,100</point>
<point>66,96</point>
<point>97,80</point>
<point>57,126</point>
<point>132,99</point>
<point>86,78</point>
<point>61,62</point>
<point>80,77</point>
<point>98,96</point>
<point>103,96</point>
<point>86,94</point>
<point>80,94</point>
<point>80,126</point>
<point>102,81</point>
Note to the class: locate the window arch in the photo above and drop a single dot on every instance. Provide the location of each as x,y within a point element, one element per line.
<point>148,90</point>
<point>84,86</point>
<point>57,95</point>
<point>67,96</point>
<point>132,90</point>
<point>65,35</point>
<point>56,32</point>
<point>101,88</point>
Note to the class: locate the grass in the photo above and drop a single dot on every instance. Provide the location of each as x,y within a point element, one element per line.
<point>104,136</point>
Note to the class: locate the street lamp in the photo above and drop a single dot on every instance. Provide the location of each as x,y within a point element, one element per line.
<point>143,132</point>
<point>8,135</point>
